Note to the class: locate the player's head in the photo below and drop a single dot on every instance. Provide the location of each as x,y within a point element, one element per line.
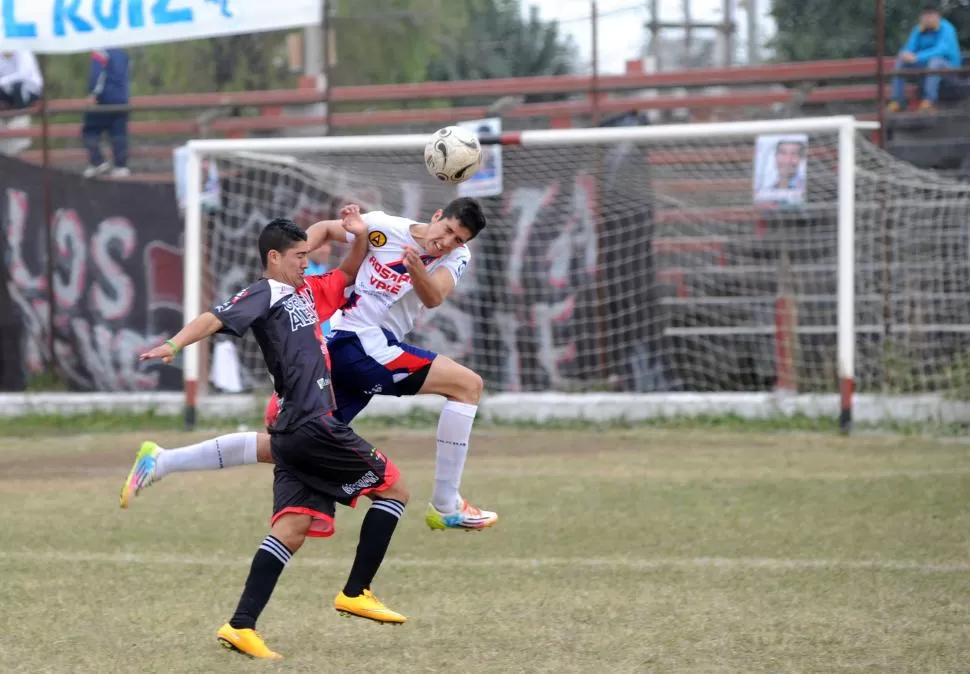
<point>929,18</point>
<point>283,251</point>
<point>788,156</point>
<point>454,225</point>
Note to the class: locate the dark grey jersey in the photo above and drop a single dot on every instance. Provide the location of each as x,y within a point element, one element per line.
<point>284,321</point>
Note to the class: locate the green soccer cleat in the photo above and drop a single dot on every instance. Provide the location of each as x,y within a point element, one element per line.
<point>142,473</point>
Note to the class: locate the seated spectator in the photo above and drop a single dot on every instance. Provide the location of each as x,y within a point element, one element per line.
<point>21,83</point>
<point>932,45</point>
<point>108,85</point>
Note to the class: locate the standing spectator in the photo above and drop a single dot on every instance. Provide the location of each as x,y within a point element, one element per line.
<point>108,86</point>
<point>932,45</point>
<point>21,83</point>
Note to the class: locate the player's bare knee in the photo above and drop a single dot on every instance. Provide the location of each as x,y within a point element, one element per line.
<point>397,491</point>
<point>469,389</point>
<point>291,530</point>
<point>475,386</point>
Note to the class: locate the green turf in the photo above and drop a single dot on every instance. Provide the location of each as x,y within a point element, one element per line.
<point>624,551</point>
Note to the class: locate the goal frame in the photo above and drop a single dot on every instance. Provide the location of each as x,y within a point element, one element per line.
<point>844,126</point>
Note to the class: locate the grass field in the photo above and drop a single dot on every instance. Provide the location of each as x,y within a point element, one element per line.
<point>622,551</point>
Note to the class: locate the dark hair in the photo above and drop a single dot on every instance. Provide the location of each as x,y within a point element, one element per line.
<point>280,235</point>
<point>801,146</point>
<point>931,6</point>
<point>468,212</point>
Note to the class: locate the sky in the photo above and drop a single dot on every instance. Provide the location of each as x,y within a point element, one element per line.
<point>621,32</point>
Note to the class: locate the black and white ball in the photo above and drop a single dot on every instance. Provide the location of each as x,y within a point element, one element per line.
<point>453,154</point>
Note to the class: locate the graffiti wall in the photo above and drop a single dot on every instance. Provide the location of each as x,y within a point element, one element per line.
<point>116,274</point>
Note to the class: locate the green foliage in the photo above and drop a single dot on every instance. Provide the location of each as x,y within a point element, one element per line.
<point>837,29</point>
<point>237,63</point>
<point>901,373</point>
<point>391,41</point>
<point>958,378</point>
<point>376,42</point>
<point>499,42</point>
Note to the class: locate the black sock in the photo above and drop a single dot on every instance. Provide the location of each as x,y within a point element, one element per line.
<point>375,535</point>
<point>268,563</point>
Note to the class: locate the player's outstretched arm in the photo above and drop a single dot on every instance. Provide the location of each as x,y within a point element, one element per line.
<point>433,288</point>
<point>354,224</point>
<point>204,325</point>
<point>324,231</point>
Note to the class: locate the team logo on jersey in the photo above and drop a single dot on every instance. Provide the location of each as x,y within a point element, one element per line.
<point>377,239</point>
<point>301,312</point>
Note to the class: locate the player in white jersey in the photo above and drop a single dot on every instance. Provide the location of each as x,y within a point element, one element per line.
<point>409,267</point>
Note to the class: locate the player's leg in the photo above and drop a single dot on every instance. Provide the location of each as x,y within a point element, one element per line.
<point>286,536</point>
<point>373,362</point>
<point>376,532</point>
<point>339,463</point>
<point>153,462</point>
<point>463,390</point>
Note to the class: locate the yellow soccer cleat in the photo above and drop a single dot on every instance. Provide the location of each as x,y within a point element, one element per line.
<point>142,473</point>
<point>367,606</point>
<point>466,517</point>
<point>247,642</point>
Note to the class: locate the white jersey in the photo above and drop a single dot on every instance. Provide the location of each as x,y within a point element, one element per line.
<point>382,296</point>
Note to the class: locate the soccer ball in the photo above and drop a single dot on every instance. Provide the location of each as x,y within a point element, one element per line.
<point>453,154</point>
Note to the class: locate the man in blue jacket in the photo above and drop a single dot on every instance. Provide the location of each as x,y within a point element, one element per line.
<point>108,85</point>
<point>932,45</point>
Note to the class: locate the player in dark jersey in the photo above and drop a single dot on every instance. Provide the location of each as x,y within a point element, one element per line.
<point>319,461</point>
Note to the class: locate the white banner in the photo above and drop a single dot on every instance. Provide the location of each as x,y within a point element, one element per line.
<point>64,26</point>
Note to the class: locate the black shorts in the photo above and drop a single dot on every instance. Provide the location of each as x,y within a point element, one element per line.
<point>322,463</point>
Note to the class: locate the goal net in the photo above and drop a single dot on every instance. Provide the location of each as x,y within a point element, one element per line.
<point>753,268</point>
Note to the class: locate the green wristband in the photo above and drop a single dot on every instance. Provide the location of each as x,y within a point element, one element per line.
<point>175,347</point>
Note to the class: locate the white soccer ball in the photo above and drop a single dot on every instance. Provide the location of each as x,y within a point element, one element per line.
<point>453,154</point>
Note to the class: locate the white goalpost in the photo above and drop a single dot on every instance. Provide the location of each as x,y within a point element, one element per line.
<point>701,269</point>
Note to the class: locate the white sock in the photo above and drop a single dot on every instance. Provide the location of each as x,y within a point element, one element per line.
<point>454,429</point>
<point>234,449</point>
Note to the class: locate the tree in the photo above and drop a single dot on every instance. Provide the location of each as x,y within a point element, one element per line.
<point>236,63</point>
<point>499,42</point>
<point>377,42</point>
<point>392,41</point>
<point>837,29</point>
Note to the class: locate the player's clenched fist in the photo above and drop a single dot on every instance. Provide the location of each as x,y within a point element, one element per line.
<point>412,260</point>
<point>351,220</point>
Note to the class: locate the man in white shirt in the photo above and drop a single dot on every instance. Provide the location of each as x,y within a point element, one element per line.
<point>21,83</point>
<point>410,268</point>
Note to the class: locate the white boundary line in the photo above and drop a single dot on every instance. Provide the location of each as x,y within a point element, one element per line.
<point>613,563</point>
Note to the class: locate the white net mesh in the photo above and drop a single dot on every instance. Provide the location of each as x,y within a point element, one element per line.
<point>688,265</point>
